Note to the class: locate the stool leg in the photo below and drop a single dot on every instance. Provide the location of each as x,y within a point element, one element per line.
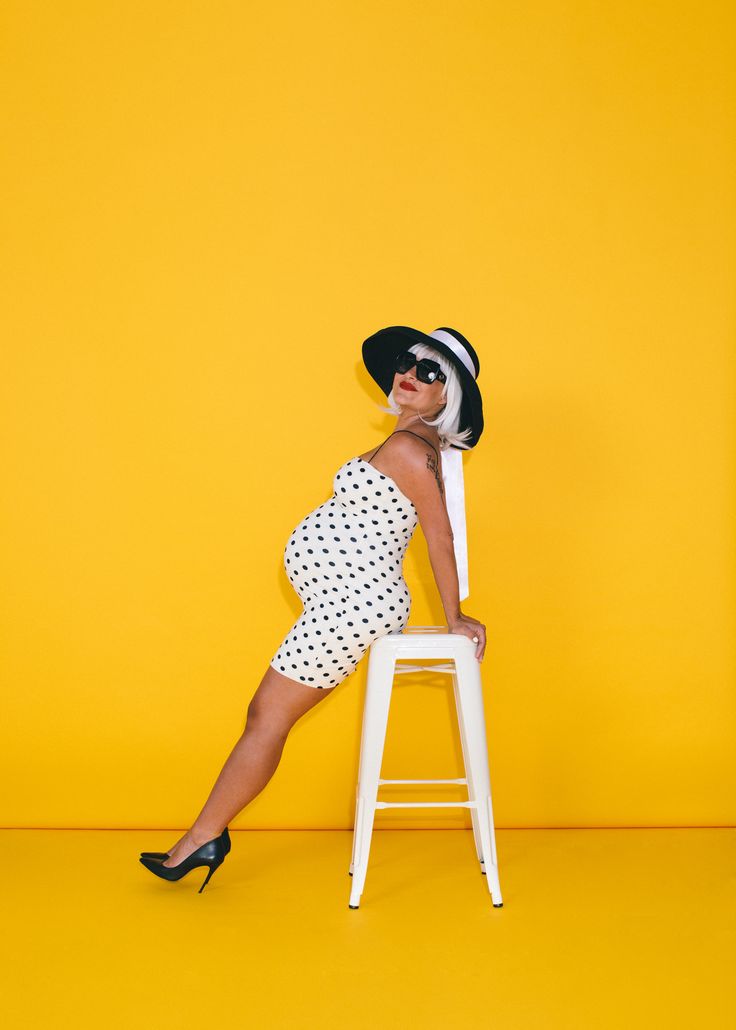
<point>472,793</point>
<point>472,714</point>
<point>356,829</point>
<point>381,663</point>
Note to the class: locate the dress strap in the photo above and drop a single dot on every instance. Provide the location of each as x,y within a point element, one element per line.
<point>403,431</point>
<point>418,438</point>
<point>377,450</point>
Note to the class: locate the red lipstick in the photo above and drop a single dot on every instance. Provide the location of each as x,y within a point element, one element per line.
<point>406,385</point>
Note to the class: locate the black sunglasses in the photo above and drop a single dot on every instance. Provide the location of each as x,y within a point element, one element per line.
<point>428,371</point>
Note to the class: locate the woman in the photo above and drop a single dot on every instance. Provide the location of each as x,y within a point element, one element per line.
<point>344,559</point>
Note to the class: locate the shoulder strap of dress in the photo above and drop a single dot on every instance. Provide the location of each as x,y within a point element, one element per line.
<point>418,438</point>
<point>402,431</point>
<point>378,449</point>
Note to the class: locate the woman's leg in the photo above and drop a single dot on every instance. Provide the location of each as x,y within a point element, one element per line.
<point>276,705</point>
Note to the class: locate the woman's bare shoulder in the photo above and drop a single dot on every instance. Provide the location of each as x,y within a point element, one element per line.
<point>413,463</point>
<point>412,448</point>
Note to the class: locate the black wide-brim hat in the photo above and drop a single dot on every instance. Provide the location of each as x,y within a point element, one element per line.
<point>379,355</point>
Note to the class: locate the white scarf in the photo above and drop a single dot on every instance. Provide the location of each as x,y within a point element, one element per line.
<point>452,477</point>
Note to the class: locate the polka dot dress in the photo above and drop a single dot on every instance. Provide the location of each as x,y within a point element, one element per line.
<point>345,561</point>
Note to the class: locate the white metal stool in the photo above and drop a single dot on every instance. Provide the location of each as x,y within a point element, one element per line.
<point>425,642</point>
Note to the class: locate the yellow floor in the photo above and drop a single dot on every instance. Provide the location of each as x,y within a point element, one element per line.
<point>599,928</point>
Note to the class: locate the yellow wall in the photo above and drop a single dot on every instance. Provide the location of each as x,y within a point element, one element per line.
<point>207,208</point>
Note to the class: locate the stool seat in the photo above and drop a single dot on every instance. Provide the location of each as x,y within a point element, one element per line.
<point>457,653</point>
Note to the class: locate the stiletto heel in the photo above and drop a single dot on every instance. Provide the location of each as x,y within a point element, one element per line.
<point>211,854</point>
<point>207,877</point>
<point>163,855</point>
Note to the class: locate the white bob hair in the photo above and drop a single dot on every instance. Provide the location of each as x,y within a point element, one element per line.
<point>448,420</point>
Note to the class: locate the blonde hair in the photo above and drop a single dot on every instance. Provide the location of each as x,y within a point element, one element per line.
<point>448,420</point>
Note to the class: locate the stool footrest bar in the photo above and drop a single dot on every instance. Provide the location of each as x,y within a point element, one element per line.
<point>463,780</point>
<point>398,669</point>
<point>426,804</point>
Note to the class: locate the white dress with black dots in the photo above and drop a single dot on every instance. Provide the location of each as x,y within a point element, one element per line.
<point>345,561</point>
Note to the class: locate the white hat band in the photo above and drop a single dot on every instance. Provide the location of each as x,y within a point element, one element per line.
<point>456,347</point>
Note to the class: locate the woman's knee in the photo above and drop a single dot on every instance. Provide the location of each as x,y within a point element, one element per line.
<point>265,715</point>
<point>279,702</point>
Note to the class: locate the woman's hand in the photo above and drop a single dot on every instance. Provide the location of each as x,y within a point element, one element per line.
<point>470,627</point>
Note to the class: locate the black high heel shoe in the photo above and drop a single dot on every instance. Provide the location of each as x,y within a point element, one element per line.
<point>211,854</point>
<point>163,855</point>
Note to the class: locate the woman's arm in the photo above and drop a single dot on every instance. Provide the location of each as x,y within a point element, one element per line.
<point>419,477</point>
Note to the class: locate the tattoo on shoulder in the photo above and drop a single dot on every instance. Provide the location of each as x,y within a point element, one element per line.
<point>433,467</point>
